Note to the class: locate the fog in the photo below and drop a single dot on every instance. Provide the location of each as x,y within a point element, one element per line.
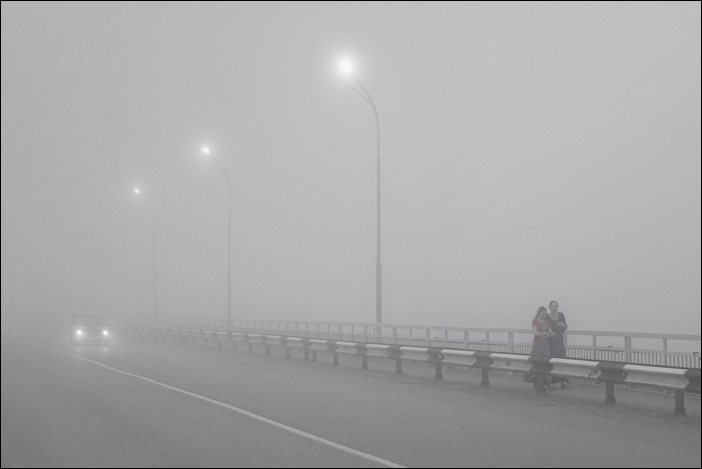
<point>529,152</point>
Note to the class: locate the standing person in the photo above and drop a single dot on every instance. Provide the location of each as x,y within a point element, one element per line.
<point>542,332</point>
<point>556,345</point>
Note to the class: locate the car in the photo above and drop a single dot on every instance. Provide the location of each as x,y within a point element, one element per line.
<point>88,328</point>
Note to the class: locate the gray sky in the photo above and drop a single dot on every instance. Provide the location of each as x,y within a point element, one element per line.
<point>529,152</point>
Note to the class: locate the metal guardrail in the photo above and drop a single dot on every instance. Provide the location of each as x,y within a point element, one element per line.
<point>679,380</point>
<point>486,339</point>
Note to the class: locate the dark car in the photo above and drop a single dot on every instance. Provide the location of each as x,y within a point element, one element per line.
<point>88,328</point>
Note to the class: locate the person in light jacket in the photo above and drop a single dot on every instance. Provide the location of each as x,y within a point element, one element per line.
<point>542,333</point>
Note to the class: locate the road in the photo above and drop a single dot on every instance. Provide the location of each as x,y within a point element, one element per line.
<point>152,404</point>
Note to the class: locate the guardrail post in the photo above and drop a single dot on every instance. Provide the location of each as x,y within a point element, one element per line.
<point>314,356</point>
<point>609,397</point>
<point>250,351</point>
<point>665,352</point>
<point>510,342</point>
<point>398,366</point>
<point>466,336</point>
<point>485,381</point>
<point>307,355</point>
<point>268,349</point>
<point>594,347</point>
<point>427,336</point>
<point>364,363</point>
<point>287,352</point>
<point>679,403</point>
<point>439,375</point>
<point>336,359</point>
<point>627,349</point>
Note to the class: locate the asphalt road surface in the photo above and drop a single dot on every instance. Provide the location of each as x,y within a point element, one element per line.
<point>150,404</point>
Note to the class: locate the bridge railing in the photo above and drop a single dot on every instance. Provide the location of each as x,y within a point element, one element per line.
<point>678,350</point>
<point>678,380</point>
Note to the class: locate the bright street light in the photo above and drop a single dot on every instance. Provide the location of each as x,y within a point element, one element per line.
<point>206,151</point>
<point>347,67</point>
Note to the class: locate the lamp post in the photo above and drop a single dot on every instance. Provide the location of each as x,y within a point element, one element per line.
<point>153,216</point>
<point>206,151</point>
<point>347,68</point>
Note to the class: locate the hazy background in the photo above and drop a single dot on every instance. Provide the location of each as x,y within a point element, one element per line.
<point>530,151</point>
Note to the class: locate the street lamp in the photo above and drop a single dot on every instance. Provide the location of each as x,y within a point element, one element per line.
<point>206,151</point>
<point>347,67</point>
<point>153,216</point>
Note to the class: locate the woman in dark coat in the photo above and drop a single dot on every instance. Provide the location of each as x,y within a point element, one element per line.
<point>556,345</point>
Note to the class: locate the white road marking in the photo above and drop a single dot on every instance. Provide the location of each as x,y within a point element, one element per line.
<point>301,433</point>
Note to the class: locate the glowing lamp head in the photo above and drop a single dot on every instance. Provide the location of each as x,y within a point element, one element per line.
<point>136,191</point>
<point>206,150</point>
<point>346,66</point>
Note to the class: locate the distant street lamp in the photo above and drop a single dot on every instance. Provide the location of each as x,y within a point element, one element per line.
<point>153,216</point>
<point>347,68</point>
<point>206,151</point>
